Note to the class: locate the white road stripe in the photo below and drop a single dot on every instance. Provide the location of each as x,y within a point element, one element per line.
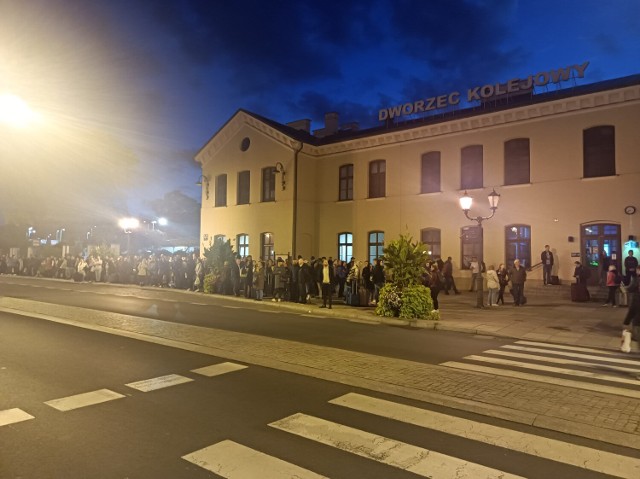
<point>234,461</point>
<point>312,316</point>
<point>559,451</point>
<point>568,348</point>
<point>231,307</point>
<point>546,379</point>
<point>161,382</point>
<point>408,457</point>
<point>553,369</point>
<point>572,355</point>
<point>218,369</point>
<point>547,359</point>
<point>82,400</point>
<point>11,416</point>
<point>272,311</point>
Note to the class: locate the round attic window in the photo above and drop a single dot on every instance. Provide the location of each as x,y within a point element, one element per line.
<point>245,144</point>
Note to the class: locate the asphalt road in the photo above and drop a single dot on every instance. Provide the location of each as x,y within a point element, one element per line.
<point>146,434</point>
<point>257,318</point>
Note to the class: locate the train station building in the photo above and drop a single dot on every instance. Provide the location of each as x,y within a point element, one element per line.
<point>565,160</point>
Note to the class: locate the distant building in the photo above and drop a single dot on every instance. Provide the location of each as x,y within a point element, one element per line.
<point>566,164</point>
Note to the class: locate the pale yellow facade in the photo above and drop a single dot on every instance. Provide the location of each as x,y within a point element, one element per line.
<point>556,203</point>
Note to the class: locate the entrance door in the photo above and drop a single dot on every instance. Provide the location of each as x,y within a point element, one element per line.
<point>600,248</point>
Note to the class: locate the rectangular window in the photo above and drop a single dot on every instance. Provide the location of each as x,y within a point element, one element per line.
<point>430,172</point>
<point>518,244</point>
<point>242,245</point>
<point>471,167</point>
<point>517,162</point>
<point>244,187</point>
<point>345,246</point>
<point>376,245</point>
<point>221,190</point>
<point>346,183</point>
<point>377,179</point>
<point>219,239</point>
<point>599,150</point>
<point>269,184</point>
<point>266,240</point>
<point>471,242</point>
<point>431,238</point>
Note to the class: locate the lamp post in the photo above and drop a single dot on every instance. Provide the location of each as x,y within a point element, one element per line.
<point>128,225</point>
<point>465,203</point>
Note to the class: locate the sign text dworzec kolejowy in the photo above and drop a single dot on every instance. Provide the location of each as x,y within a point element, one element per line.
<point>484,92</point>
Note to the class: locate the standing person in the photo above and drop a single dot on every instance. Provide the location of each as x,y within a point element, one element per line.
<point>518,276</point>
<point>304,277</point>
<point>198,284</point>
<point>248,291</point>
<point>447,273</point>
<point>366,280</point>
<point>259,280</point>
<point>547,265</point>
<point>612,286</point>
<point>377,276</point>
<point>474,266</point>
<point>435,284</point>
<point>632,318</point>
<point>630,267</point>
<point>493,285</point>
<point>279,277</point>
<point>235,276</point>
<point>327,280</point>
<point>503,280</point>
<point>341,274</point>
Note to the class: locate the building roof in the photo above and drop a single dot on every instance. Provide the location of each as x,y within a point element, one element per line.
<point>441,116</point>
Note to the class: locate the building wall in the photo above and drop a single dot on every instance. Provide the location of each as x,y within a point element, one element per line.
<point>555,202</point>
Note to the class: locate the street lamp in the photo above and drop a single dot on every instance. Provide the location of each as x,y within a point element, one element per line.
<point>128,225</point>
<point>465,203</point>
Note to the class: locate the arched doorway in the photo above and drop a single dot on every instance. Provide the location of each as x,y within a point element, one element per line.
<point>600,247</point>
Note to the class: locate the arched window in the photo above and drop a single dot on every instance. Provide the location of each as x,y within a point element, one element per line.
<point>430,172</point>
<point>599,150</point>
<point>471,245</point>
<point>244,187</point>
<point>377,179</point>
<point>269,183</point>
<point>242,244</point>
<point>471,167</point>
<point>517,162</point>
<point>345,246</point>
<point>266,246</point>
<point>376,245</point>
<point>221,190</point>
<point>431,238</point>
<point>346,183</point>
<point>518,244</point>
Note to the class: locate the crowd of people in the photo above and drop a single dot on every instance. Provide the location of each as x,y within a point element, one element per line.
<point>162,270</point>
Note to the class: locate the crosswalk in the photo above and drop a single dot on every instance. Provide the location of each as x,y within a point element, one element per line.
<point>574,366</point>
<point>232,460</point>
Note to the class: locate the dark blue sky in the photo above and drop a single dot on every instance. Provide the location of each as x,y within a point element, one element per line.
<point>160,76</point>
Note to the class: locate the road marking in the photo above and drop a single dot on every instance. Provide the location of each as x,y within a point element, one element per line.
<point>312,316</point>
<point>555,450</point>
<point>218,369</point>
<point>272,311</point>
<point>231,460</point>
<point>408,457</point>
<point>161,382</point>
<point>545,379</point>
<point>567,348</point>
<point>12,416</point>
<point>572,355</point>
<point>553,369</point>
<point>231,307</point>
<point>82,400</point>
<point>200,304</point>
<point>547,359</point>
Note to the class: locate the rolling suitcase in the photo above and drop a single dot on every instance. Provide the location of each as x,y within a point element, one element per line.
<point>555,280</point>
<point>363,296</point>
<point>579,292</point>
<point>78,277</point>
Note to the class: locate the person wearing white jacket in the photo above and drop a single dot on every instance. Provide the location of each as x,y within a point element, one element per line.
<point>493,285</point>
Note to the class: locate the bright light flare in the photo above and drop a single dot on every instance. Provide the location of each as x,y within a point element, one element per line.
<point>14,111</point>
<point>163,221</point>
<point>129,223</point>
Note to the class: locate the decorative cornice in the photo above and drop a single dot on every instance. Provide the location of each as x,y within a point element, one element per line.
<point>417,133</point>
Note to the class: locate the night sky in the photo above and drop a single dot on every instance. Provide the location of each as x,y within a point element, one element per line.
<point>138,86</point>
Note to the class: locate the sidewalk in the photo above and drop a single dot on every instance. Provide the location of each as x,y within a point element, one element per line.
<point>602,416</point>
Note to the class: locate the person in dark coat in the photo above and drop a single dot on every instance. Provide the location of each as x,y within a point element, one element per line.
<point>327,280</point>
<point>518,276</point>
<point>304,278</point>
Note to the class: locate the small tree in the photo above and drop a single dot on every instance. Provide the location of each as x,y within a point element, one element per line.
<point>404,295</point>
<point>216,255</point>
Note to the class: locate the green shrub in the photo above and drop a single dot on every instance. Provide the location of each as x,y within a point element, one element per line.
<point>390,302</point>
<point>416,302</point>
<point>210,283</point>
